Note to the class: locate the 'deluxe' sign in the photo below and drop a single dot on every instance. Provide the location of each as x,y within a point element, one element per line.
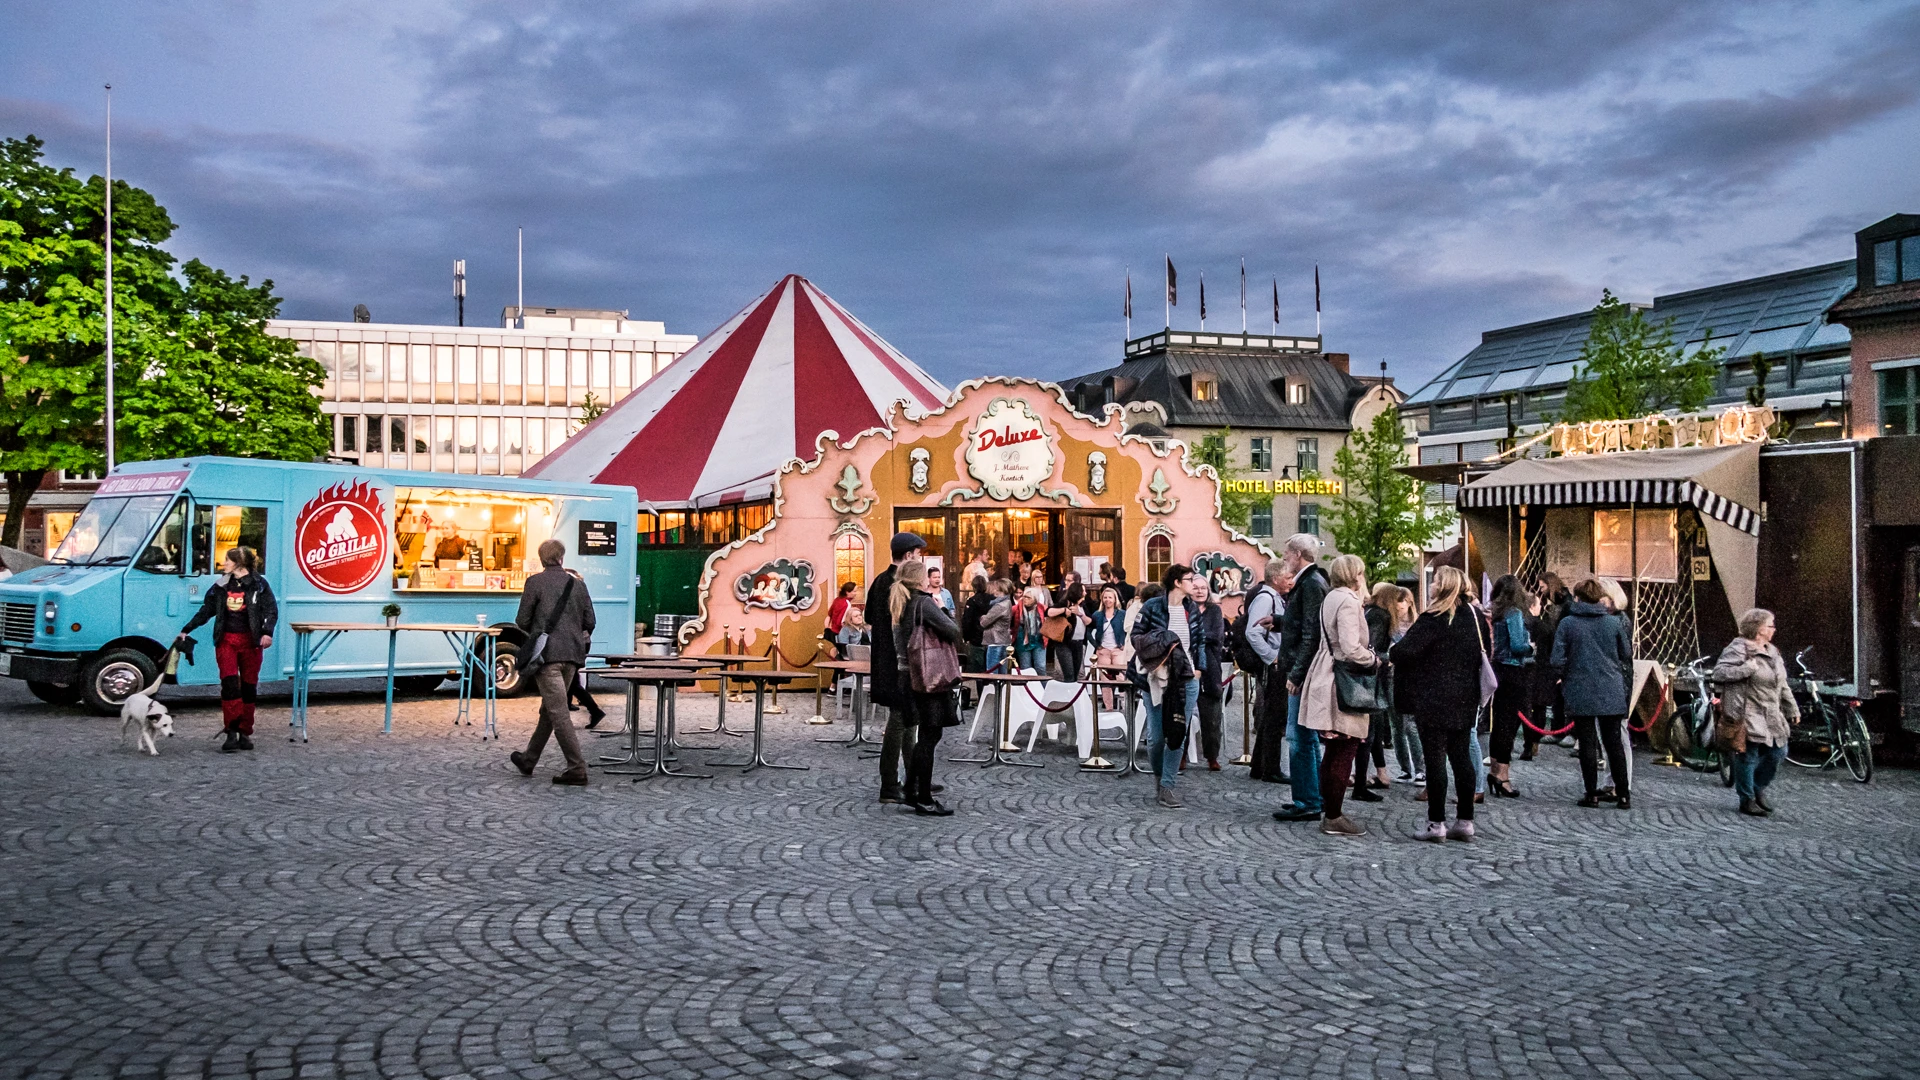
<point>1008,450</point>
<point>340,537</point>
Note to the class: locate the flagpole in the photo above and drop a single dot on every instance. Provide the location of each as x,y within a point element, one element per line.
<point>108,238</point>
<point>1168,291</point>
<point>1243,295</point>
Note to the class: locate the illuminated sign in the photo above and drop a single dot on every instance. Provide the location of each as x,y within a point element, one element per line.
<point>1008,450</point>
<point>1740,424</point>
<point>1281,487</point>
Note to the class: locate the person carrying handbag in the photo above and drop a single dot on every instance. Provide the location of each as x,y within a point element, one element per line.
<point>556,614</point>
<point>926,642</point>
<point>1338,696</point>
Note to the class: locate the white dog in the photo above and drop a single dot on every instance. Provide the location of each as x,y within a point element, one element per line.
<point>151,716</point>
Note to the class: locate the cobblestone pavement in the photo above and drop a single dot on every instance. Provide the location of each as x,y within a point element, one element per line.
<point>408,905</point>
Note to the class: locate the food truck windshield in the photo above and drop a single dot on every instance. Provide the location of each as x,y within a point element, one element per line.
<point>109,531</point>
<point>467,540</point>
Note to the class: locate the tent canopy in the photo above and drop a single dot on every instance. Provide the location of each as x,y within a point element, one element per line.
<point>1722,482</point>
<point>716,425</point>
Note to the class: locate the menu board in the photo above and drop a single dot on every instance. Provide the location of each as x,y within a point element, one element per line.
<point>599,538</point>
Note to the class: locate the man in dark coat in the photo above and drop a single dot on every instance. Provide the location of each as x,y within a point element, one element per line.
<point>883,682</point>
<point>1300,639</point>
<point>1265,635</point>
<point>1213,627</point>
<point>555,603</point>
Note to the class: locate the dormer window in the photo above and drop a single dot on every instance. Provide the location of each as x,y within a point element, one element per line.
<point>1205,387</point>
<point>1896,260</point>
<point>1296,392</point>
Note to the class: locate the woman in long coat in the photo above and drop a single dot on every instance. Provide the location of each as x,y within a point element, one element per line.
<point>1593,654</point>
<point>1343,637</point>
<point>1757,710</point>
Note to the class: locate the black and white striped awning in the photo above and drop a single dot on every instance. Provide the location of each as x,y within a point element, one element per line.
<point>1639,492</point>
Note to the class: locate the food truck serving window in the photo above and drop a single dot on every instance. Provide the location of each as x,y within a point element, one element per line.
<point>466,540</point>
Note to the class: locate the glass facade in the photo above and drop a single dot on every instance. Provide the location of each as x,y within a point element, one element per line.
<point>481,401</point>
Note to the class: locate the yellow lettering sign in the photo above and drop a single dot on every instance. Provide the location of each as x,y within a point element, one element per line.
<point>1314,486</point>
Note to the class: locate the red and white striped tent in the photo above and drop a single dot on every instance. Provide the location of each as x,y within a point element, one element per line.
<point>717,424</point>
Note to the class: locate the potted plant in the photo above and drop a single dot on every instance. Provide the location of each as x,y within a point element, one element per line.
<point>392,614</point>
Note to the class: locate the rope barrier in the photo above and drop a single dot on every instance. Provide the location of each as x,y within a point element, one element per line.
<point>790,662</point>
<point>1659,708</point>
<point>1068,704</point>
<point>1538,730</point>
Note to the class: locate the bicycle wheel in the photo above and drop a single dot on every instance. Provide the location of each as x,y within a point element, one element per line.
<point>1856,745</point>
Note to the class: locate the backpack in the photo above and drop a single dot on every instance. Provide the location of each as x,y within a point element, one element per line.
<point>1238,646</point>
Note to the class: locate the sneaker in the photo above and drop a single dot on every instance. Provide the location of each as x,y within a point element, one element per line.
<point>520,762</point>
<point>1435,833</point>
<point>1365,794</point>
<point>1420,777</point>
<point>572,778</point>
<point>1296,812</point>
<point>1405,778</point>
<point>232,743</point>
<point>245,743</point>
<point>1341,826</point>
<point>1461,831</point>
<point>1169,799</point>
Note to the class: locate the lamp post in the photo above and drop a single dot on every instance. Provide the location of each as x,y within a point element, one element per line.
<point>107,243</point>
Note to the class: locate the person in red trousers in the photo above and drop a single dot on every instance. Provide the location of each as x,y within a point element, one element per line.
<point>243,612</point>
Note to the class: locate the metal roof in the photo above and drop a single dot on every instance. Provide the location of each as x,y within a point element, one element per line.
<point>1252,390</point>
<point>1773,315</point>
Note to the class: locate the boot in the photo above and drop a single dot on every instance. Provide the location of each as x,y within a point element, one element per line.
<point>233,740</point>
<point>520,762</point>
<point>246,743</point>
<point>572,778</point>
<point>1751,808</point>
<point>1362,793</point>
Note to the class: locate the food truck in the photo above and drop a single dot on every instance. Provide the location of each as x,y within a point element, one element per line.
<point>337,543</point>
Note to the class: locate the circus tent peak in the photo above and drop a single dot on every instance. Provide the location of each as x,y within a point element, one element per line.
<point>717,424</point>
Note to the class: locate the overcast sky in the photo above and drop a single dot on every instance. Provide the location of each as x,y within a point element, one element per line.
<point>973,180</point>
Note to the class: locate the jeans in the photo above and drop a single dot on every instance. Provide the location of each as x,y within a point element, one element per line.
<point>553,681</point>
<point>896,747</point>
<point>1479,763</point>
<point>1407,746</point>
<point>1033,657</point>
<point>995,654</point>
<point>1444,749</point>
<point>1305,762</point>
<point>1753,768</point>
<point>1164,759</point>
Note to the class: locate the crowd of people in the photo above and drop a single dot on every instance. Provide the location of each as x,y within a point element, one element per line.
<point>1343,673</point>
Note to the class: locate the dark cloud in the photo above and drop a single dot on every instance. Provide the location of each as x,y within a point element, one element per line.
<point>973,180</point>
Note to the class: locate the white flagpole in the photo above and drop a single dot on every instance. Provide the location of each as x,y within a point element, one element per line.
<point>1243,295</point>
<point>108,240</point>
<point>520,278</point>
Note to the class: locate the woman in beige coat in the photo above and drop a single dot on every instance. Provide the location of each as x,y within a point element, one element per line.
<point>1757,709</point>
<point>1343,636</point>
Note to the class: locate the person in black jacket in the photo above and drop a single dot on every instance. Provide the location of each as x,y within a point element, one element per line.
<point>1300,640</point>
<point>979,602</point>
<point>910,607</point>
<point>1436,669</point>
<point>1213,627</point>
<point>883,681</point>
<point>1380,628</point>
<point>243,613</point>
<point>1593,652</point>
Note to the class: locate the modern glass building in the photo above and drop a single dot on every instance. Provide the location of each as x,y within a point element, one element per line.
<point>484,401</point>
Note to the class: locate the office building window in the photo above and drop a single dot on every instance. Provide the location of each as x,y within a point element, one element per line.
<point>349,434</point>
<point>1899,411</point>
<point>1310,518</point>
<point>1306,456</point>
<point>1262,454</point>
<point>374,442</point>
<point>1260,521</point>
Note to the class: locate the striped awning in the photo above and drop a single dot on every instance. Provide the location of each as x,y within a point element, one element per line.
<point>1711,479</point>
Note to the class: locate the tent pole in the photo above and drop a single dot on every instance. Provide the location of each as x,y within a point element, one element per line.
<point>1633,551</point>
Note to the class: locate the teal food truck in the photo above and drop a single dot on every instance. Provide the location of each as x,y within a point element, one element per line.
<point>337,543</point>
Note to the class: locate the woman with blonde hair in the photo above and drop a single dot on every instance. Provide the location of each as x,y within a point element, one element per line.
<point>913,607</point>
<point>1437,679</point>
<point>1343,640</point>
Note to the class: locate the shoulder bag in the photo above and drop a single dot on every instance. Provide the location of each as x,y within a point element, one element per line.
<point>1054,627</point>
<point>1355,686</point>
<point>1489,682</point>
<point>534,657</point>
<point>932,664</point>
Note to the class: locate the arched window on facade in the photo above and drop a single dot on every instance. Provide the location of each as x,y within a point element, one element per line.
<point>1159,557</point>
<point>849,560</point>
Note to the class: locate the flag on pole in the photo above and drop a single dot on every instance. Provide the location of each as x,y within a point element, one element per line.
<point>1127,309</point>
<point>1243,295</point>
<point>1276,305</point>
<point>1203,299</point>
<point>1316,299</point>
<point>1173,285</point>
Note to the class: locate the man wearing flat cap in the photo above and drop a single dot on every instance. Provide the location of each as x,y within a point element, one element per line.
<point>885,677</point>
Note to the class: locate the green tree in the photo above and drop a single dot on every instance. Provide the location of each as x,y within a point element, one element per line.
<point>215,382</point>
<point>1216,448</point>
<point>52,330</point>
<point>590,409</point>
<point>1379,514</point>
<point>194,369</point>
<point>1631,368</point>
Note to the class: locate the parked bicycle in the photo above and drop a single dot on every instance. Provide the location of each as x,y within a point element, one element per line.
<point>1690,729</point>
<point>1830,730</point>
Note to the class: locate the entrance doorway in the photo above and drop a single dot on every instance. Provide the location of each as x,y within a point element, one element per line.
<point>1057,540</point>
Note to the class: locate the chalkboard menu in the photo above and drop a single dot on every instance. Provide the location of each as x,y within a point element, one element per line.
<point>598,537</point>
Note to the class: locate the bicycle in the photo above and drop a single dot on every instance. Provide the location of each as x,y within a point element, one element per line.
<point>1830,729</point>
<point>1690,731</point>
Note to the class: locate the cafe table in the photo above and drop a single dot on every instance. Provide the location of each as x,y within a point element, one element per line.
<point>473,648</point>
<point>620,660</point>
<point>1006,683</point>
<point>761,680</point>
<point>860,670</point>
<point>666,681</point>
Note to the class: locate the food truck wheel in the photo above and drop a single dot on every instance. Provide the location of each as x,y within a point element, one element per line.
<point>113,675</point>
<point>507,679</point>
<point>54,693</point>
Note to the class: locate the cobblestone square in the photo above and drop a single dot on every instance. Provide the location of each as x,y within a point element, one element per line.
<point>408,905</point>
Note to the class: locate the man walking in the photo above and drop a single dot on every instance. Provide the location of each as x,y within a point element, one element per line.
<point>1300,639</point>
<point>884,680</point>
<point>556,604</point>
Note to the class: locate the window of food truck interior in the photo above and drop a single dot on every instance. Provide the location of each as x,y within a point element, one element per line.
<point>219,529</point>
<point>463,540</point>
<point>1615,543</point>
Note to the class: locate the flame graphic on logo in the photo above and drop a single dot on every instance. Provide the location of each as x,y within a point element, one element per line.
<point>361,493</point>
